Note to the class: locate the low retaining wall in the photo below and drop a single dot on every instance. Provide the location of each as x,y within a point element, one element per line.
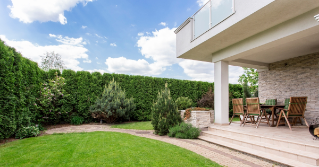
<point>200,119</point>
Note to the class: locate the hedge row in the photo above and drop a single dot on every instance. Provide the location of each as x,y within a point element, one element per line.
<point>21,80</point>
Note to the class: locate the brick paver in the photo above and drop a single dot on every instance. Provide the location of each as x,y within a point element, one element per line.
<point>216,153</point>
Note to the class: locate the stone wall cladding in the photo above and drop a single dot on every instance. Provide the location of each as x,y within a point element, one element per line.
<point>292,78</point>
<point>200,119</point>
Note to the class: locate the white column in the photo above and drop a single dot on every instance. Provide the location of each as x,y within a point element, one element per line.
<point>221,92</point>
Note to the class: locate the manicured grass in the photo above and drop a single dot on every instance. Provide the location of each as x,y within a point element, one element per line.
<point>97,149</point>
<point>135,125</point>
<point>234,119</point>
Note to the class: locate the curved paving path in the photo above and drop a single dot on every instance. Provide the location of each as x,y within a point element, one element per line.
<point>219,154</point>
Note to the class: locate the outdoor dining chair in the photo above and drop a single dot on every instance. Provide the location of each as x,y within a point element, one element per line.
<point>238,109</point>
<point>270,102</point>
<point>295,109</point>
<point>253,109</point>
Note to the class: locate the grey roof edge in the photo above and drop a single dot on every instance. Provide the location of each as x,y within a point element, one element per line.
<point>183,25</point>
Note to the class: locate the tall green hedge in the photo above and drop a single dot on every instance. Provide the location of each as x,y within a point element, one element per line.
<point>21,80</point>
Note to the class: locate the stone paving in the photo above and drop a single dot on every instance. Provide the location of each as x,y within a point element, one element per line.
<point>221,155</point>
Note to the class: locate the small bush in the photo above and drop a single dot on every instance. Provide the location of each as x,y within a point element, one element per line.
<point>207,100</point>
<point>113,104</point>
<point>183,103</point>
<point>184,131</point>
<point>76,120</point>
<point>25,132</point>
<point>41,128</point>
<point>165,113</point>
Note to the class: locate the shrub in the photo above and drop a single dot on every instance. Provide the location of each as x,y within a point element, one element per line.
<point>49,103</point>
<point>113,104</point>
<point>184,131</point>
<point>207,100</point>
<point>76,120</point>
<point>164,113</point>
<point>29,131</point>
<point>183,103</point>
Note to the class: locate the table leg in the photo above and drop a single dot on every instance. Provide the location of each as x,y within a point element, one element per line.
<point>272,116</point>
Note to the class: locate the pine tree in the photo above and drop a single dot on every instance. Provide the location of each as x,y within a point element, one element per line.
<point>165,113</point>
<point>113,105</point>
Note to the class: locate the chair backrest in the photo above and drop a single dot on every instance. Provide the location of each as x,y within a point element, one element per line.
<point>297,106</point>
<point>238,106</point>
<point>253,106</point>
<point>271,102</point>
<point>287,103</point>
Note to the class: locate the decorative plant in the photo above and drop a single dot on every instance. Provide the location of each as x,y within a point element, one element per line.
<point>25,132</point>
<point>76,120</point>
<point>184,131</point>
<point>49,103</point>
<point>164,112</point>
<point>183,103</point>
<point>207,100</point>
<point>113,104</point>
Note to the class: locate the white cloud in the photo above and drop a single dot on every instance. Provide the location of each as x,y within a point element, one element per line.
<point>62,19</point>
<point>70,51</point>
<point>204,71</point>
<point>88,34</point>
<point>52,35</point>
<point>98,36</point>
<point>136,67</point>
<point>41,10</point>
<point>140,34</point>
<point>96,58</point>
<point>113,44</point>
<point>84,27</point>
<point>97,70</point>
<point>161,46</point>
<point>197,70</point>
<point>215,3</point>
<point>163,24</point>
<point>87,61</point>
<point>68,41</point>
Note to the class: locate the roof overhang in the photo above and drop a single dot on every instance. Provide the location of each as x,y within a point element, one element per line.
<point>272,29</point>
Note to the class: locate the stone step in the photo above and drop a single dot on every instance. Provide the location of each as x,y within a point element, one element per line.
<point>303,156</point>
<point>267,140</point>
<point>262,154</point>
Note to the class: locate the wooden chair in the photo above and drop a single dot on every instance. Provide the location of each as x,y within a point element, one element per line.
<point>253,109</point>
<point>270,102</point>
<point>296,110</point>
<point>238,109</point>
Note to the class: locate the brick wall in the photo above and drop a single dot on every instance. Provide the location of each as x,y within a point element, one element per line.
<point>293,77</point>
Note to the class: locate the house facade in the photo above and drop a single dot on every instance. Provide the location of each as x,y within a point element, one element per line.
<point>280,38</point>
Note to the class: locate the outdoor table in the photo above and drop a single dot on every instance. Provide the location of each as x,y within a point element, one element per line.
<point>272,108</point>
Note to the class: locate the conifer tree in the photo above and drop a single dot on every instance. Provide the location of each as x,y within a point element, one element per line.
<point>113,105</point>
<point>165,113</point>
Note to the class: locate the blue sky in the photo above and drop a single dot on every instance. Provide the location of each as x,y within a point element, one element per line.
<point>122,36</point>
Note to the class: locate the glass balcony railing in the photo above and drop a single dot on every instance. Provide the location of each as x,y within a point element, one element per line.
<point>211,14</point>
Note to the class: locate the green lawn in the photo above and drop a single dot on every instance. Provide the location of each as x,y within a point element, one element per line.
<point>234,119</point>
<point>135,125</point>
<point>97,149</point>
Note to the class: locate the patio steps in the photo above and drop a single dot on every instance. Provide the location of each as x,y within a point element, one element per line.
<point>279,150</point>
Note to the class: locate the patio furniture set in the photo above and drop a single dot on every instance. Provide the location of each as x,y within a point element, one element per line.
<point>294,108</point>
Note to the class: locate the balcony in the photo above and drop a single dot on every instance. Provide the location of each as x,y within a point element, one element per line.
<point>210,15</point>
